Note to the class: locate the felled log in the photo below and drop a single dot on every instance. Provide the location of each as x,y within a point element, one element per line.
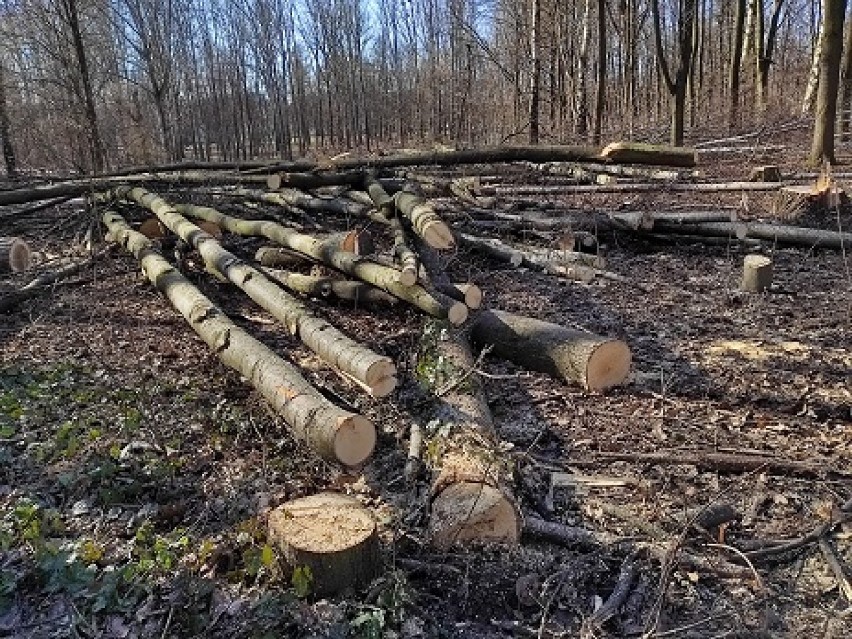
<point>276,181</point>
<point>277,257</point>
<point>493,248</point>
<point>790,235</point>
<point>506,190</point>
<point>20,214</point>
<point>471,485</point>
<point>757,273</point>
<point>597,363</point>
<point>373,371</point>
<point>424,220</point>
<point>318,286</point>
<point>15,255</point>
<point>329,540</point>
<point>364,269</point>
<point>639,153</point>
<point>385,205</point>
<point>618,170</point>
<point>333,433</point>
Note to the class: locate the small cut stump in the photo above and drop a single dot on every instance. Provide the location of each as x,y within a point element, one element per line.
<point>331,537</point>
<point>15,255</point>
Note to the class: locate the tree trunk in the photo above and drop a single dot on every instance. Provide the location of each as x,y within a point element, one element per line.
<point>582,97</point>
<point>639,153</point>
<point>336,435</point>
<point>600,94</point>
<point>736,63</point>
<point>425,222</point>
<point>790,235</point>
<point>846,85</point>
<point>822,148</point>
<point>809,100</point>
<point>6,130</point>
<point>597,363</point>
<point>373,371</point>
<point>535,76</point>
<point>471,498</point>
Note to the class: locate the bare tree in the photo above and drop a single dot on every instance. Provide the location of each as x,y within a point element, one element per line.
<point>822,148</point>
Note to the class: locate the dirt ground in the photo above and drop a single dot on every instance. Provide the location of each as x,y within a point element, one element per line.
<point>136,471</point>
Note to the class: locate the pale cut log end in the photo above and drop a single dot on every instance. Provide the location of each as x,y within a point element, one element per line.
<point>210,228</point>
<point>383,387</point>
<point>438,235</point>
<point>330,538</point>
<point>354,440</point>
<point>15,254</point>
<point>516,258</point>
<point>153,229</point>
<point>273,182</point>
<point>757,273</point>
<point>379,370</point>
<point>457,313</point>
<point>469,511</point>
<point>472,295</point>
<point>608,365</point>
<point>408,277</point>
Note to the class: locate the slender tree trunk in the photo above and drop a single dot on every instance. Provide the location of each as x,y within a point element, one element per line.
<point>736,63</point>
<point>809,101</point>
<point>581,123</point>
<point>6,130</point>
<point>600,95</point>
<point>846,88</point>
<point>535,80</point>
<point>822,149</point>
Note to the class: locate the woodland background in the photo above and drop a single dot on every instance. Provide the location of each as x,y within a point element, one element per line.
<point>94,84</point>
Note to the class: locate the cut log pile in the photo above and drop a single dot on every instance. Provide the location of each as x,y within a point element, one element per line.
<point>381,232</point>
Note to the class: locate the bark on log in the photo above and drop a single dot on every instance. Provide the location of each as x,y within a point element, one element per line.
<point>330,538</point>
<point>374,371</point>
<point>506,190</point>
<point>364,269</point>
<point>385,205</point>
<point>319,286</point>
<point>471,495</point>
<point>276,257</point>
<point>276,181</point>
<point>757,273</point>
<point>792,235</point>
<point>597,363</point>
<point>493,248</point>
<point>766,173</point>
<point>335,434</point>
<point>425,222</point>
<point>15,255</point>
<point>638,153</point>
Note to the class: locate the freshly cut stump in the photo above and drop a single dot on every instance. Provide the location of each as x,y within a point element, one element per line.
<point>15,255</point>
<point>473,511</point>
<point>595,362</point>
<point>757,273</point>
<point>332,535</point>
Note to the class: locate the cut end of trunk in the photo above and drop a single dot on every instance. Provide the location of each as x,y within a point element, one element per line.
<point>273,182</point>
<point>380,369</point>
<point>408,276</point>
<point>438,235</point>
<point>331,539</point>
<point>210,228</point>
<point>469,511</point>
<point>354,440</point>
<point>457,313</point>
<point>757,273</point>
<point>15,254</point>
<point>608,365</point>
<point>153,229</point>
<point>472,295</point>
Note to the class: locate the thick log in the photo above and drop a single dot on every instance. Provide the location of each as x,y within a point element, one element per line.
<point>471,485</point>
<point>276,181</point>
<point>364,269</point>
<point>506,190</point>
<point>329,540</point>
<point>374,371</point>
<point>335,434</point>
<point>35,208</point>
<point>597,363</point>
<point>424,220</point>
<point>639,153</point>
<point>791,235</point>
<point>757,273</point>
<point>493,248</point>
<point>15,255</point>
<point>278,257</point>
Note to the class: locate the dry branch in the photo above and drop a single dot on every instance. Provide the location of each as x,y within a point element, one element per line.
<point>374,371</point>
<point>335,434</point>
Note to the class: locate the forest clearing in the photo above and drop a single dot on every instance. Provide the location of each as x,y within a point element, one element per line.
<point>425,318</point>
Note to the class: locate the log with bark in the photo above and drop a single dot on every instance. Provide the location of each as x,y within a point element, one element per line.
<point>639,153</point>
<point>384,277</point>
<point>333,433</point>
<point>757,273</point>
<point>276,181</point>
<point>424,220</point>
<point>329,541</point>
<point>506,191</point>
<point>15,255</point>
<point>320,286</point>
<point>375,372</point>
<point>386,207</point>
<point>597,363</point>
<point>778,233</point>
<point>471,485</point>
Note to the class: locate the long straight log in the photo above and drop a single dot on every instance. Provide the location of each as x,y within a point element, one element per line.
<point>792,235</point>
<point>597,363</point>
<point>640,153</point>
<point>333,433</point>
<point>358,292</point>
<point>313,180</point>
<point>424,220</point>
<point>630,187</point>
<point>374,371</point>
<point>364,269</point>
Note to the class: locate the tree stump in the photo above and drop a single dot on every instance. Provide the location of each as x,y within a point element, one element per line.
<point>768,173</point>
<point>14,255</point>
<point>757,273</point>
<point>329,537</point>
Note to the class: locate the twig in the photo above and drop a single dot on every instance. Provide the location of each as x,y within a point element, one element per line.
<point>446,388</point>
<point>837,567</point>
<point>619,594</point>
<point>796,544</point>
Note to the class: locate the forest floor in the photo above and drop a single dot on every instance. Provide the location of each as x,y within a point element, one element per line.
<point>136,472</point>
